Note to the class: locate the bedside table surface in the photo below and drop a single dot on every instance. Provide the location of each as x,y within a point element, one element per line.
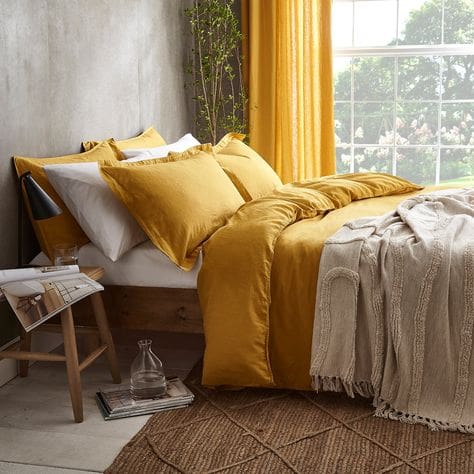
<point>96,273</point>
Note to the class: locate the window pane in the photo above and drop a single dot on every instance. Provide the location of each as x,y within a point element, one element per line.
<point>375,22</point>
<point>419,22</point>
<point>373,78</point>
<point>457,166</point>
<point>373,123</point>
<point>418,78</point>
<point>458,77</point>
<point>375,159</point>
<point>457,124</point>
<point>342,24</point>
<point>458,21</point>
<point>343,159</point>
<point>342,78</point>
<point>417,123</point>
<point>342,123</point>
<point>424,118</point>
<point>417,164</point>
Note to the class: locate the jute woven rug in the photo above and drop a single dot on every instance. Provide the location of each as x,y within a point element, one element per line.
<point>276,431</point>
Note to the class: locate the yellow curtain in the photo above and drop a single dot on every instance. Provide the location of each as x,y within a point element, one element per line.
<point>288,70</point>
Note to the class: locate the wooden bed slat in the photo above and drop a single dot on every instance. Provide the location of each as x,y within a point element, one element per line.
<point>154,309</point>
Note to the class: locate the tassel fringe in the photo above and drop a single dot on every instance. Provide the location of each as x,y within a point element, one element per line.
<point>336,384</point>
<point>383,408</point>
<point>386,411</point>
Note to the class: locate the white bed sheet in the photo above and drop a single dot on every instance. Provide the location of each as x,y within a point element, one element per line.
<point>144,265</point>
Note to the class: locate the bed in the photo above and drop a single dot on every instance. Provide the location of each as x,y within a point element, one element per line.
<point>261,243</point>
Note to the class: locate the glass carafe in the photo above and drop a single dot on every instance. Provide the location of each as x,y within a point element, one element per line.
<point>147,378</point>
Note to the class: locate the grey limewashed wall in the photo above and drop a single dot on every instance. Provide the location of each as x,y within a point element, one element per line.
<point>85,69</point>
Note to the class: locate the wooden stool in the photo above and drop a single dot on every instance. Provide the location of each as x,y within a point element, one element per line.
<point>74,368</point>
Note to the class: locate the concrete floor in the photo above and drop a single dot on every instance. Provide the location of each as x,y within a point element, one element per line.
<point>37,432</point>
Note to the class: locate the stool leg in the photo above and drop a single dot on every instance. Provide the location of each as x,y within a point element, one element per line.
<point>105,335</point>
<point>25,345</point>
<point>72,364</point>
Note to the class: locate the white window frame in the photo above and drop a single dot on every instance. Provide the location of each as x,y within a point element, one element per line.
<point>399,51</point>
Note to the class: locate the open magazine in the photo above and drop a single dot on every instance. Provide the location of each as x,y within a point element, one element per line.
<point>36,294</point>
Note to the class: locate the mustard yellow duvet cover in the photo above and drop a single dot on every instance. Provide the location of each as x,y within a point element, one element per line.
<point>257,285</point>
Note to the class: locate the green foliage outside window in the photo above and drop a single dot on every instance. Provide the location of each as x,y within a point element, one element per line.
<point>421,120</point>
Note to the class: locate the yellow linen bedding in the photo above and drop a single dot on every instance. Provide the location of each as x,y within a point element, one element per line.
<point>258,281</point>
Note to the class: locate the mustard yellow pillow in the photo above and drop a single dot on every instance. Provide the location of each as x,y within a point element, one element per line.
<point>179,201</point>
<point>249,172</point>
<point>63,228</point>
<point>150,138</point>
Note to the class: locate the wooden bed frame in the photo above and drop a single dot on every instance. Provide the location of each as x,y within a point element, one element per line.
<point>153,309</point>
<point>137,307</point>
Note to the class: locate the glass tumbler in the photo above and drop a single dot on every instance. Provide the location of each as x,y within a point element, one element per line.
<point>147,378</point>
<point>65,254</point>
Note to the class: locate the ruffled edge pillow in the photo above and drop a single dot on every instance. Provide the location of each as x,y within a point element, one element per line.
<point>249,172</point>
<point>147,139</point>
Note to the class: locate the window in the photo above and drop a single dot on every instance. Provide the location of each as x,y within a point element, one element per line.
<point>404,88</point>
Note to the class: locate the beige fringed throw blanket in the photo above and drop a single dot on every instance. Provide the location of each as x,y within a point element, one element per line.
<point>395,311</point>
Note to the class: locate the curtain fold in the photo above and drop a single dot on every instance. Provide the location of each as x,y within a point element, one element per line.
<point>288,72</point>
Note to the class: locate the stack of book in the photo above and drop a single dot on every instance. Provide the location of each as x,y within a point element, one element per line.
<point>118,403</point>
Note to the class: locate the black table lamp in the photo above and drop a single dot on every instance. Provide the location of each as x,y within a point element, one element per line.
<point>40,203</point>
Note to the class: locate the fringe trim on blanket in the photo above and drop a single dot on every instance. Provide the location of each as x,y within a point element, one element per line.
<point>336,384</point>
<point>386,411</point>
<point>383,408</point>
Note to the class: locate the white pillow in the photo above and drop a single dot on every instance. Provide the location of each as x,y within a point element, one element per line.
<point>139,154</point>
<point>103,218</point>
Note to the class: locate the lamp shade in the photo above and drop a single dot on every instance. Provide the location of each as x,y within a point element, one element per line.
<point>41,205</point>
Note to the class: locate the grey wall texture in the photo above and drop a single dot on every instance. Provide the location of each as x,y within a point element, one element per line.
<point>85,69</point>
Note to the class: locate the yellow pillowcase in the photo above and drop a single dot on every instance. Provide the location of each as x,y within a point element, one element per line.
<point>249,172</point>
<point>179,201</point>
<point>150,138</point>
<point>63,228</point>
